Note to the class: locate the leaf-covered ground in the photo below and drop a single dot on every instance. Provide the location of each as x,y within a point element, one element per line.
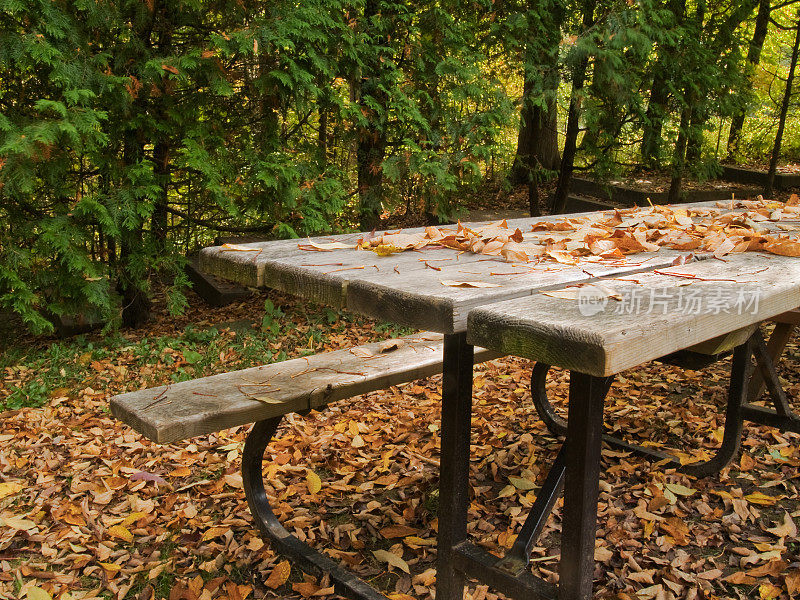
<point>90,509</point>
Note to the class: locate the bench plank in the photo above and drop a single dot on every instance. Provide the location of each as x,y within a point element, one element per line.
<point>178,411</point>
<point>556,331</point>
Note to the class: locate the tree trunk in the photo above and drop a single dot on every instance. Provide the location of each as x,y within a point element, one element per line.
<point>654,119</point>
<point>135,300</point>
<point>568,158</point>
<point>657,110</point>
<point>753,58</point>
<point>679,155</point>
<point>787,96</point>
<point>534,205</point>
<point>694,137</point>
<point>537,142</point>
<point>371,144</point>
<point>158,220</point>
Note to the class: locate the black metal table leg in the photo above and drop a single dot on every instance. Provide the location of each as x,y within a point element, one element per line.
<point>454,475</point>
<point>345,582</point>
<point>579,522</point>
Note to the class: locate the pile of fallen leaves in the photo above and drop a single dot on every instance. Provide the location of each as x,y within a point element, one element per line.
<point>90,509</point>
<point>730,227</point>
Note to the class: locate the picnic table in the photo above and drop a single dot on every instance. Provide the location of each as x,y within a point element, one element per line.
<point>440,290</point>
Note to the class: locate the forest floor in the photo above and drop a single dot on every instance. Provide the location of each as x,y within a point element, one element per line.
<point>90,509</point>
<point>93,510</point>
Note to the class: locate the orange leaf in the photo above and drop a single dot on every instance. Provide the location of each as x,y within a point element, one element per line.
<point>280,575</point>
<point>397,531</point>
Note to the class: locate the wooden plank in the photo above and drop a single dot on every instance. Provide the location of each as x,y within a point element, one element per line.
<point>682,314</point>
<point>418,299</point>
<point>171,413</point>
<point>402,287</point>
<point>212,289</point>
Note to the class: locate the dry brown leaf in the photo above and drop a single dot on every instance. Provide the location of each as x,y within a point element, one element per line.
<point>398,531</point>
<point>391,559</point>
<point>279,575</point>
<point>469,284</point>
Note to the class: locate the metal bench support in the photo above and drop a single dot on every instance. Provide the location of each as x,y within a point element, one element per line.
<point>744,385</point>
<point>346,583</point>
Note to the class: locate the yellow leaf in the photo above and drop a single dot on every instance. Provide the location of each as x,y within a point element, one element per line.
<point>767,591</point>
<point>324,246</point>
<point>238,248</point>
<point>313,481</point>
<point>9,488</point>
<point>132,518</point>
<point>280,575</point>
<point>120,532</point>
<point>392,559</point>
<point>386,249</point>
<point>110,567</point>
<point>37,593</point>
<point>521,483</point>
<point>762,499</point>
<point>214,532</point>
<point>17,523</point>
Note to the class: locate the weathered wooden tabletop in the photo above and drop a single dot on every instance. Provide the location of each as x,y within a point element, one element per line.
<point>402,288</point>
<point>602,329</point>
<point>406,288</point>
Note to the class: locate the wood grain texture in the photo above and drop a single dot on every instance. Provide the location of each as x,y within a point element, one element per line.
<point>554,330</point>
<point>406,288</point>
<point>172,413</point>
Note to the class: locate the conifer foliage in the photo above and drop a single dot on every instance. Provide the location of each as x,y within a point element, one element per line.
<point>134,131</point>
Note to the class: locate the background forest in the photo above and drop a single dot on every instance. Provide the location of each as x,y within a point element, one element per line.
<point>133,132</point>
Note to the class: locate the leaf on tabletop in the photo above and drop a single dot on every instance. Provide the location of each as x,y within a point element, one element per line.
<point>783,247</point>
<point>361,352</point>
<point>239,248</point>
<point>324,246</point>
<point>386,249</point>
<point>567,294</point>
<point>391,345</point>
<point>469,284</point>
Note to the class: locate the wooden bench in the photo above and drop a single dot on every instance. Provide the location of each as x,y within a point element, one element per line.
<point>179,411</point>
<point>595,347</point>
<point>264,395</point>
